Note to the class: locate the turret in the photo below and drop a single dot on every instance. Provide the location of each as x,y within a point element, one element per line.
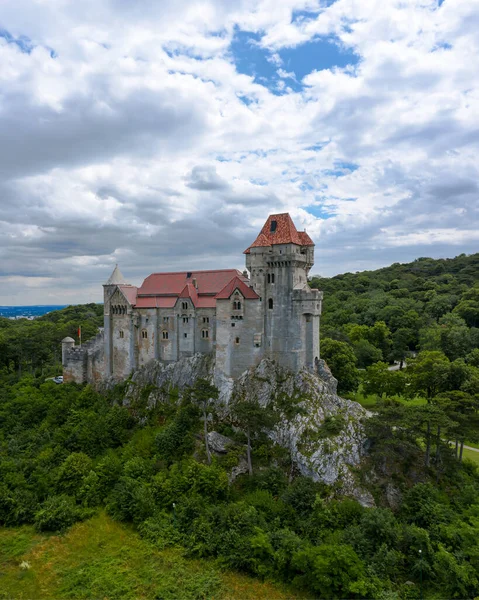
<point>67,344</point>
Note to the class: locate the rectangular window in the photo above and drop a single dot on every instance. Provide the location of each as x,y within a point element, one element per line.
<point>166,319</point>
<point>206,319</point>
<point>185,319</point>
<point>205,333</point>
<point>185,335</point>
<point>122,334</point>
<point>184,305</point>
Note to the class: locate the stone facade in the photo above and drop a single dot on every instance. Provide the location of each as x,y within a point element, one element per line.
<point>237,318</point>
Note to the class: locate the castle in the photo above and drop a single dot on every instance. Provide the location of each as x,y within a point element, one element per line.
<point>239,318</point>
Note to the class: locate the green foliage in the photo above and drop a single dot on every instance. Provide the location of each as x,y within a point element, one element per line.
<point>342,362</point>
<point>66,451</point>
<point>58,513</point>
<point>176,439</point>
<point>333,571</point>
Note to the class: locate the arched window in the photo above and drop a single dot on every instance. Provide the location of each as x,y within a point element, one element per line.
<point>269,278</point>
<point>272,277</point>
<point>205,333</point>
<point>270,303</point>
<point>144,334</point>
<point>236,305</point>
<point>237,341</point>
<point>164,335</point>
<point>184,305</point>
<point>121,334</point>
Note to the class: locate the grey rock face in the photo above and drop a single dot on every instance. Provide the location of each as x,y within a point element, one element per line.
<point>219,443</point>
<point>325,436</point>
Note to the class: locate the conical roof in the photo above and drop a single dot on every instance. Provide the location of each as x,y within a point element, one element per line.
<point>116,278</point>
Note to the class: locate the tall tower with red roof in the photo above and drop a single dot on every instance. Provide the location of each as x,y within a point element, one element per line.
<point>279,261</point>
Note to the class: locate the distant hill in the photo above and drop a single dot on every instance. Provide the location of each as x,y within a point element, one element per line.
<point>28,312</point>
<point>428,304</point>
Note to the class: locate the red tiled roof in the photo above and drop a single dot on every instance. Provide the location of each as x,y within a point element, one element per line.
<point>284,232</point>
<point>156,302</point>
<point>189,291</point>
<point>239,284</point>
<point>162,290</point>
<point>129,291</point>
<point>305,239</point>
<point>208,282</point>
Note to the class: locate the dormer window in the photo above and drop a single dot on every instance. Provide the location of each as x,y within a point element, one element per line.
<point>273,226</point>
<point>236,305</point>
<point>184,305</point>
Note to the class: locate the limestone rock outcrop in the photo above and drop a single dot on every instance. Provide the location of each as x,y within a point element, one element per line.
<point>322,431</point>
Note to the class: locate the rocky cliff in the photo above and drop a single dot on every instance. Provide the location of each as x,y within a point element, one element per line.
<point>323,432</point>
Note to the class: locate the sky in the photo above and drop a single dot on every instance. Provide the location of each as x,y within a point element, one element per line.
<point>160,135</point>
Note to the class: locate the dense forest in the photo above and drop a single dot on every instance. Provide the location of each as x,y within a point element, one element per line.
<point>71,455</point>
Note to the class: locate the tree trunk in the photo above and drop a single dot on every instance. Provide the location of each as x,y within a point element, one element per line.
<point>207,447</point>
<point>428,443</point>
<point>457,447</point>
<point>248,452</point>
<point>462,448</point>
<point>401,363</point>
<point>438,441</point>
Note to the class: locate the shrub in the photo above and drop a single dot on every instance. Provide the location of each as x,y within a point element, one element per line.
<point>58,513</point>
<point>131,500</point>
<point>72,471</point>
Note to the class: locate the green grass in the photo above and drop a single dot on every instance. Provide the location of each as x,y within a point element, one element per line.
<point>370,402</point>
<point>471,455</point>
<point>101,558</point>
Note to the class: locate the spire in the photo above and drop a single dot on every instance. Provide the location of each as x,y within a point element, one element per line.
<point>116,278</point>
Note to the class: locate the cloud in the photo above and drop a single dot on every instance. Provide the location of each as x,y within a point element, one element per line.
<point>145,134</point>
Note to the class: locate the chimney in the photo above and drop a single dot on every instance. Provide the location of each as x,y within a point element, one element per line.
<point>195,284</point>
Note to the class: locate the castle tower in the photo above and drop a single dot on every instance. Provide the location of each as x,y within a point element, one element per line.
<point>279,261</point>
<point>67,344</point>
<point>115,279</point>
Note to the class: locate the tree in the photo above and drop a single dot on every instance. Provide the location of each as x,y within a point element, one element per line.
<point>342,362</point>
<point>366,353</point>
<point>462,409</point>
<point>252,418</point>
<point>378,379</point>
<point>402,339</point>
<point>204,392</point>
<point>428,373</point>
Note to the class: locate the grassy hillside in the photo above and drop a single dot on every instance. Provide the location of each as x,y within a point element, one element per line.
<point>101,558</point>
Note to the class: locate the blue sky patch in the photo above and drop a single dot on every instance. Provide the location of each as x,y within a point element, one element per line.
<point>319,54</point>
<point>284,75</point>
<point>320,211</point>
<point>23,42</point>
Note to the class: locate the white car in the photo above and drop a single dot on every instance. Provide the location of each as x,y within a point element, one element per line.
<point>58,379</point>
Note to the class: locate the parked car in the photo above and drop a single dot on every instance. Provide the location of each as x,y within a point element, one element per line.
<point>58,379</point>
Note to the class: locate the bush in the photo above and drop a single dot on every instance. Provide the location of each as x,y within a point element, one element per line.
<point>131,500</point>
<point>72,471</point>
<point>332,571</point>
<point>58,513</point>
